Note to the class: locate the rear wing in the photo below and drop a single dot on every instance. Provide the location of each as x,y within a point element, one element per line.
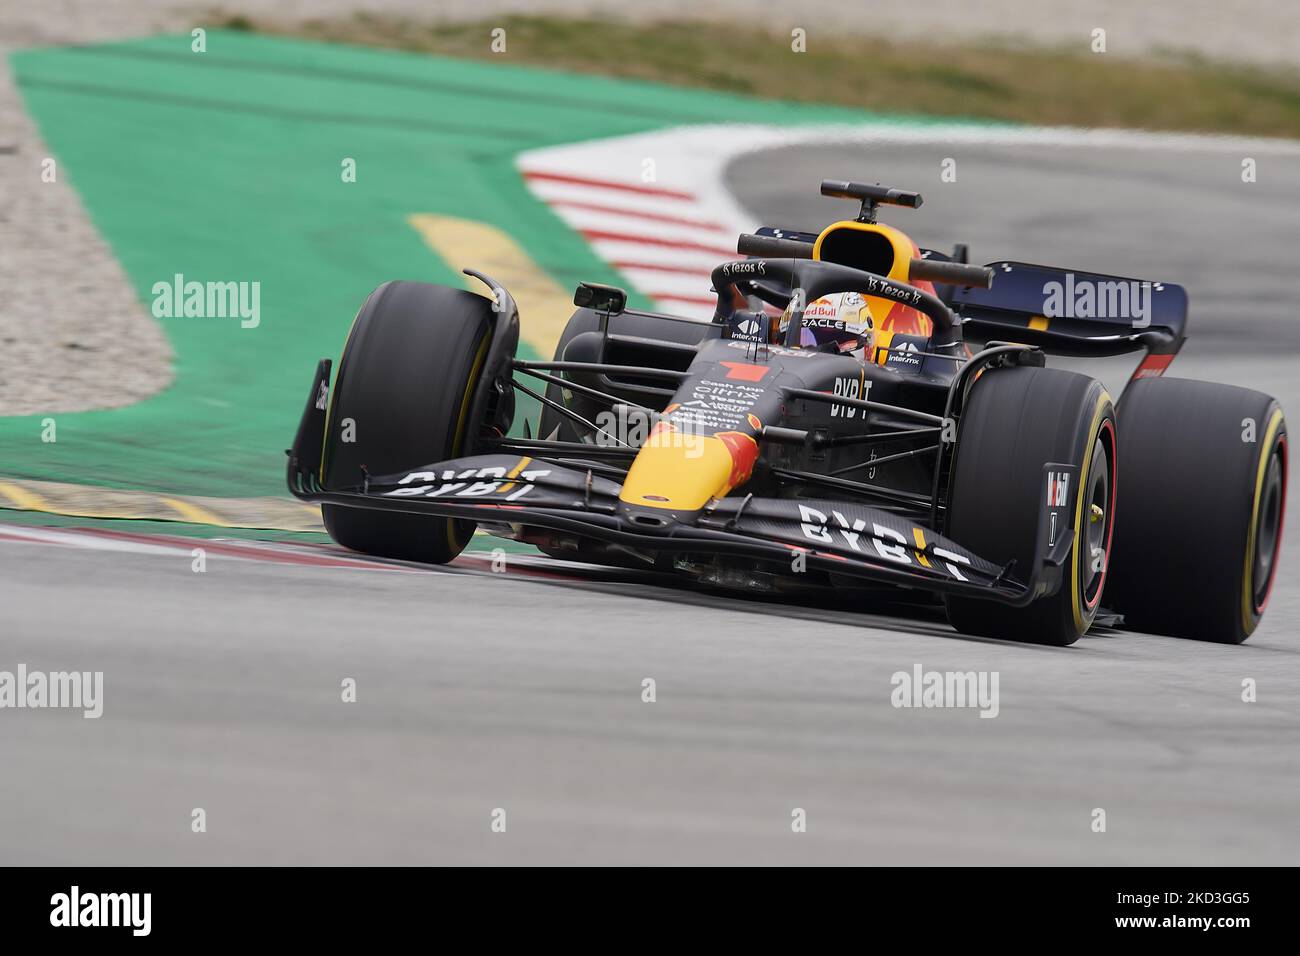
<point>1061,311</point>
<point>1077,313</point>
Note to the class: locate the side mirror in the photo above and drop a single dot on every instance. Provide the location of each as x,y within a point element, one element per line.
<point>602,298</point>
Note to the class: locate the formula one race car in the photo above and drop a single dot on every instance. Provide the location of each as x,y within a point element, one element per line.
<point>830,427</point>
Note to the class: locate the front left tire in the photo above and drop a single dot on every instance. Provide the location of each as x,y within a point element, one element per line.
<point>405,384</point>
<point>1017,420</point>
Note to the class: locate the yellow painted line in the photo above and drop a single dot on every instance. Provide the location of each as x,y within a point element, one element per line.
<point>192,512</point>
<point>544,305</point>
<point>88,501</point>
<point>21,497</point>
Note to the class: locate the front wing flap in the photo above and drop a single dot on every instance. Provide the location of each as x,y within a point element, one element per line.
<point>503,481</point>
<point>842,538</point>
<point>855,532</point>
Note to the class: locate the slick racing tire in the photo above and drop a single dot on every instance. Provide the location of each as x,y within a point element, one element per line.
<point>404,388</point>
<point>1204,473</point>
<point>1017,420</point>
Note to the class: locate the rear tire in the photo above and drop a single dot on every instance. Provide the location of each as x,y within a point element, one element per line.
<point>1017,420</point>
<point>1197,547</point>
<point>405,382</point>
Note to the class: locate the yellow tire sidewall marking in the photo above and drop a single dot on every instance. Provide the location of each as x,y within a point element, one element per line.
<point>1094,433</point>
<point>458,436</point>
<point>1248,619</point>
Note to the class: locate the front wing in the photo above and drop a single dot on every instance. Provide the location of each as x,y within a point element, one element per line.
<point>848,539</point>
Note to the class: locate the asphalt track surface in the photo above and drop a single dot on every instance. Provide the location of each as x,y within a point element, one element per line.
<point>478,691</point>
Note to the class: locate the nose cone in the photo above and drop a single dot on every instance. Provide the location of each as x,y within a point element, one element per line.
<point>681,471</point>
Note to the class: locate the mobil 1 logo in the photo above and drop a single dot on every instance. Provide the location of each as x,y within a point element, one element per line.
<point>1059,482</point>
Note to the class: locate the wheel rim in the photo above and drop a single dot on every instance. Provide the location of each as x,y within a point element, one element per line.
<point>1096,523</point>
<point>1268,535</point>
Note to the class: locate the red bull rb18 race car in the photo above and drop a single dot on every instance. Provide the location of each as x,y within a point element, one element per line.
<point>860,414</point>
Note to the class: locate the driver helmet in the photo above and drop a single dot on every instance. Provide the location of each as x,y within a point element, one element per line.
<point>839,323</point>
